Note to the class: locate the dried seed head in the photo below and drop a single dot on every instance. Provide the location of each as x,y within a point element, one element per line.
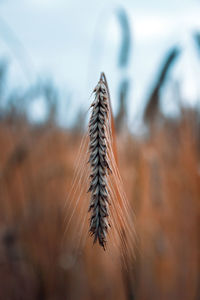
<point>99,164</point>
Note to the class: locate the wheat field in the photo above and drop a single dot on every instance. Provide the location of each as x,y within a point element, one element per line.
<point>46,251</point>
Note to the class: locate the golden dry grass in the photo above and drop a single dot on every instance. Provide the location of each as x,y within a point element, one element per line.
<point>162,183</point>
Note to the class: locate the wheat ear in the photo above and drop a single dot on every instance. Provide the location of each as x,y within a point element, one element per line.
<point>99,164</point>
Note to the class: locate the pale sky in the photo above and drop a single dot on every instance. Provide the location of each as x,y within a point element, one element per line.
<point>72,41</point>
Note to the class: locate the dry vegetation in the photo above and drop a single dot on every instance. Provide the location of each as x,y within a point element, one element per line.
<point>161,179</point>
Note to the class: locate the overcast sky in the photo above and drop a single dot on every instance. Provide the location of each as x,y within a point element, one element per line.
<point>72,41</point>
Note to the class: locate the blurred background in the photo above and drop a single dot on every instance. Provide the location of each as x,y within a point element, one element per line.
<point>51,56</point>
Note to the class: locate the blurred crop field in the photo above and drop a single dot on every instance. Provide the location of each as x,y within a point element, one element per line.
<point>160,170</point>
<point>161,175</point>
